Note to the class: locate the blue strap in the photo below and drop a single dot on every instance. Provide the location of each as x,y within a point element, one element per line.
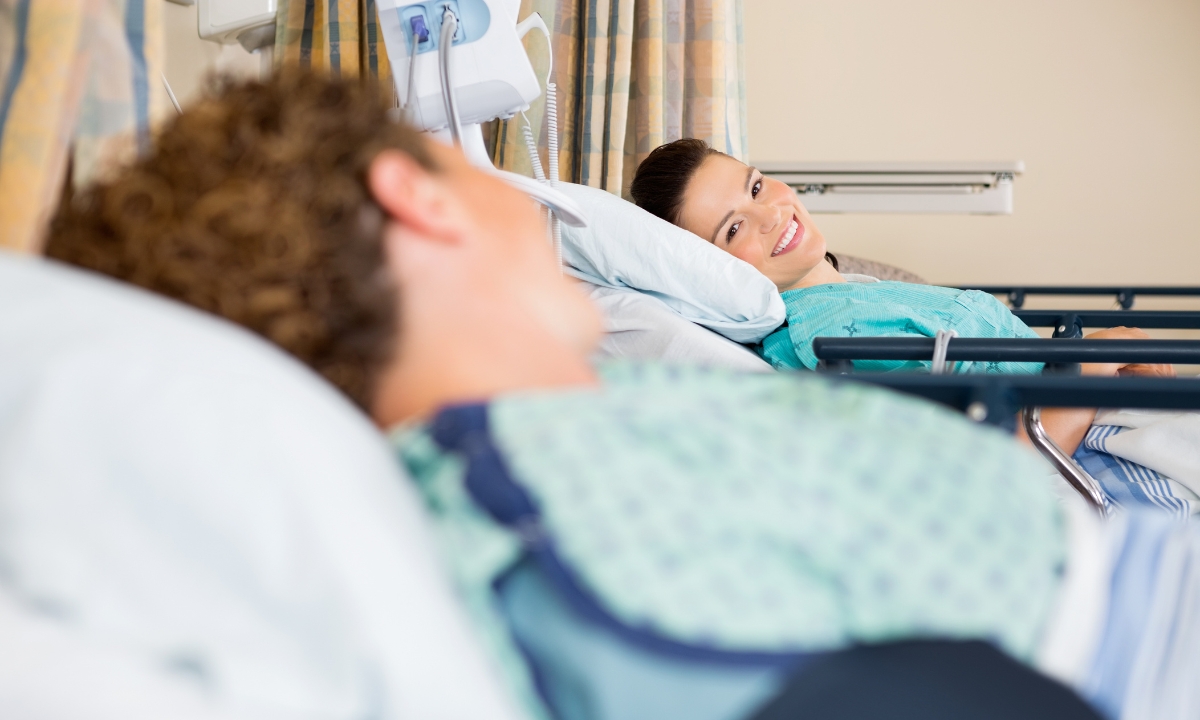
<point>464,430</point>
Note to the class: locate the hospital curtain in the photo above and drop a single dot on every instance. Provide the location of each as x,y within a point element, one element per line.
<point>632,75</point>
<point>79,79</point>
<point>338,36</point>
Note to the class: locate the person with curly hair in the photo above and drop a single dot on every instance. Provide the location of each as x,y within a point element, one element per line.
<point>635,542</point>
<point>297,209</point>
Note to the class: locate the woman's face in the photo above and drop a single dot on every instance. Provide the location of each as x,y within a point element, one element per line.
<point>754,218</point>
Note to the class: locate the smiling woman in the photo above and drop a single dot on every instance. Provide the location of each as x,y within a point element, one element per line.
<point>762,222</point>
<point>733,206</point>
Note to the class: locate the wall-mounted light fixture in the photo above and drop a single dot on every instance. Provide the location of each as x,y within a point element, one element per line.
<point>982,188</point>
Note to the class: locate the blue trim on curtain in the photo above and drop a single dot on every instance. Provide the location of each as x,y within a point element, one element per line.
<point>614,14</point>
<point>589,84</point>
<point>335,40</point>
<point>20,53</point>
<point>135,35</point>
<point>306,35</point>
<point>372,15</point>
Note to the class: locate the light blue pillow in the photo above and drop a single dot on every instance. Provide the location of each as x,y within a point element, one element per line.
<point>624,246</point>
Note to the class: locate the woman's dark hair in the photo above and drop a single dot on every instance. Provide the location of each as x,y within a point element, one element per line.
<point>662,178</point>
<point>254,206</point>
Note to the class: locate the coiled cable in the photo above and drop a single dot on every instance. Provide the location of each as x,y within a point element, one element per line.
<point>534,160</point>
<point>552,152</point>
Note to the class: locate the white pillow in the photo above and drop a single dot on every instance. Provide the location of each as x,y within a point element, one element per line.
<point>625,246</point>
<point>177,493</point>
<point>640,327</point>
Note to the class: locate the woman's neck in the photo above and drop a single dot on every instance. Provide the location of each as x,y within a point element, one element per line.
<point>823,274</point>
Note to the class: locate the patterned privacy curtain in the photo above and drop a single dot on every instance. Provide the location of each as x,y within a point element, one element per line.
<point>78,79</point>
<point>340,36</point>
<point>632,75</point>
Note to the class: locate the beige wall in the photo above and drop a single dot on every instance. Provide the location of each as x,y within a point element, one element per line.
<point>189,59</point>
<point>1100,98</point>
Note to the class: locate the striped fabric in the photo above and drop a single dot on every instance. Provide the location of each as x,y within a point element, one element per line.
<point>340,36</point>
<point>1128,484</point>
<point>78,78</point>
<point>632,75</point>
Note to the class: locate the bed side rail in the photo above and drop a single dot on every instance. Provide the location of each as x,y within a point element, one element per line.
<point>1125,294</point>
<point>1070,323</point>
<point>995,399</point>
<point>1061,355</point>
<point>836,352</point>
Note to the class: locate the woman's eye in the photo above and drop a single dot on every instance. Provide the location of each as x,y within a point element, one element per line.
<point>733,231</point>
<point>755,190</point>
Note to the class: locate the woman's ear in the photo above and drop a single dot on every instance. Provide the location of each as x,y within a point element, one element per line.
<point>415,198</point>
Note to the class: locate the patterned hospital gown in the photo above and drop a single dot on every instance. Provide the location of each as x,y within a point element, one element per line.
<point>780,512</point>
<point>890,309</point>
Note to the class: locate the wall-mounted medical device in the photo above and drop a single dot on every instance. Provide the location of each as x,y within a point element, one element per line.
<point>459,63</point>
<point>249,22</point>
<point>979,188</point>
<point>491,76</point>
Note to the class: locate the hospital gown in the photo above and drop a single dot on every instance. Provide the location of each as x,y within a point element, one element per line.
<point>747,513</point>
<point>890,309</point>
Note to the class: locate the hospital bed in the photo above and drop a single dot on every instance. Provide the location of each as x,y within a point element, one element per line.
<point>664,294</point>
<point>1125,295</point>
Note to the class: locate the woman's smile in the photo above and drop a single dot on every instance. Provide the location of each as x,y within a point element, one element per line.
<point>791,238</point>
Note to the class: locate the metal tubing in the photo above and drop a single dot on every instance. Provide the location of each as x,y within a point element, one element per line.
<point>1125,295</point>
<point>1017,391</point>
<point>1011,350</point>
<point>1084,484</point>
<point>1159,319</point>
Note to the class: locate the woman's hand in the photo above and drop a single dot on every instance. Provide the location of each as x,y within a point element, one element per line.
<point>1067,426</point>
<point>1112,369</point>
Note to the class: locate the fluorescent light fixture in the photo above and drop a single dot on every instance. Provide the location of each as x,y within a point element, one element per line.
<point>978,188</point>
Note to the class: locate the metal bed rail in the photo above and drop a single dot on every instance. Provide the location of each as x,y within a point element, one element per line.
<point>1125,294</point>
<point>1070,323</point>
<point>835,352</point>
<point>996,400</point>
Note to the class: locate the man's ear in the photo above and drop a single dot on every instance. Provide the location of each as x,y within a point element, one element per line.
<point>414,197</point>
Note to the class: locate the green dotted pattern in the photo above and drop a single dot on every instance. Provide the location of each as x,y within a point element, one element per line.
<point>752,512</point>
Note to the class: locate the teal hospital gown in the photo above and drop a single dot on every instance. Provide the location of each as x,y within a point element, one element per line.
<point>890,309</point>
<point>750,513</point>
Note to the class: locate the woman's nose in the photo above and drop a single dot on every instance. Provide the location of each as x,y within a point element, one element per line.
<point>772,216</point>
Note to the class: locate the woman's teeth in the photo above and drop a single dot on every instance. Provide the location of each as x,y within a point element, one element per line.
<point>787,237</point>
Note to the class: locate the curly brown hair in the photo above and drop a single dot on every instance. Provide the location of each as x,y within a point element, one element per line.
<point>254,205</point>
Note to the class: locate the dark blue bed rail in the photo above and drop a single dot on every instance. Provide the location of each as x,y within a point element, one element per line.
<point>1056,351</point>
<point>995,399</point>
<point>1070,323</point>
<point>1124,294</point>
